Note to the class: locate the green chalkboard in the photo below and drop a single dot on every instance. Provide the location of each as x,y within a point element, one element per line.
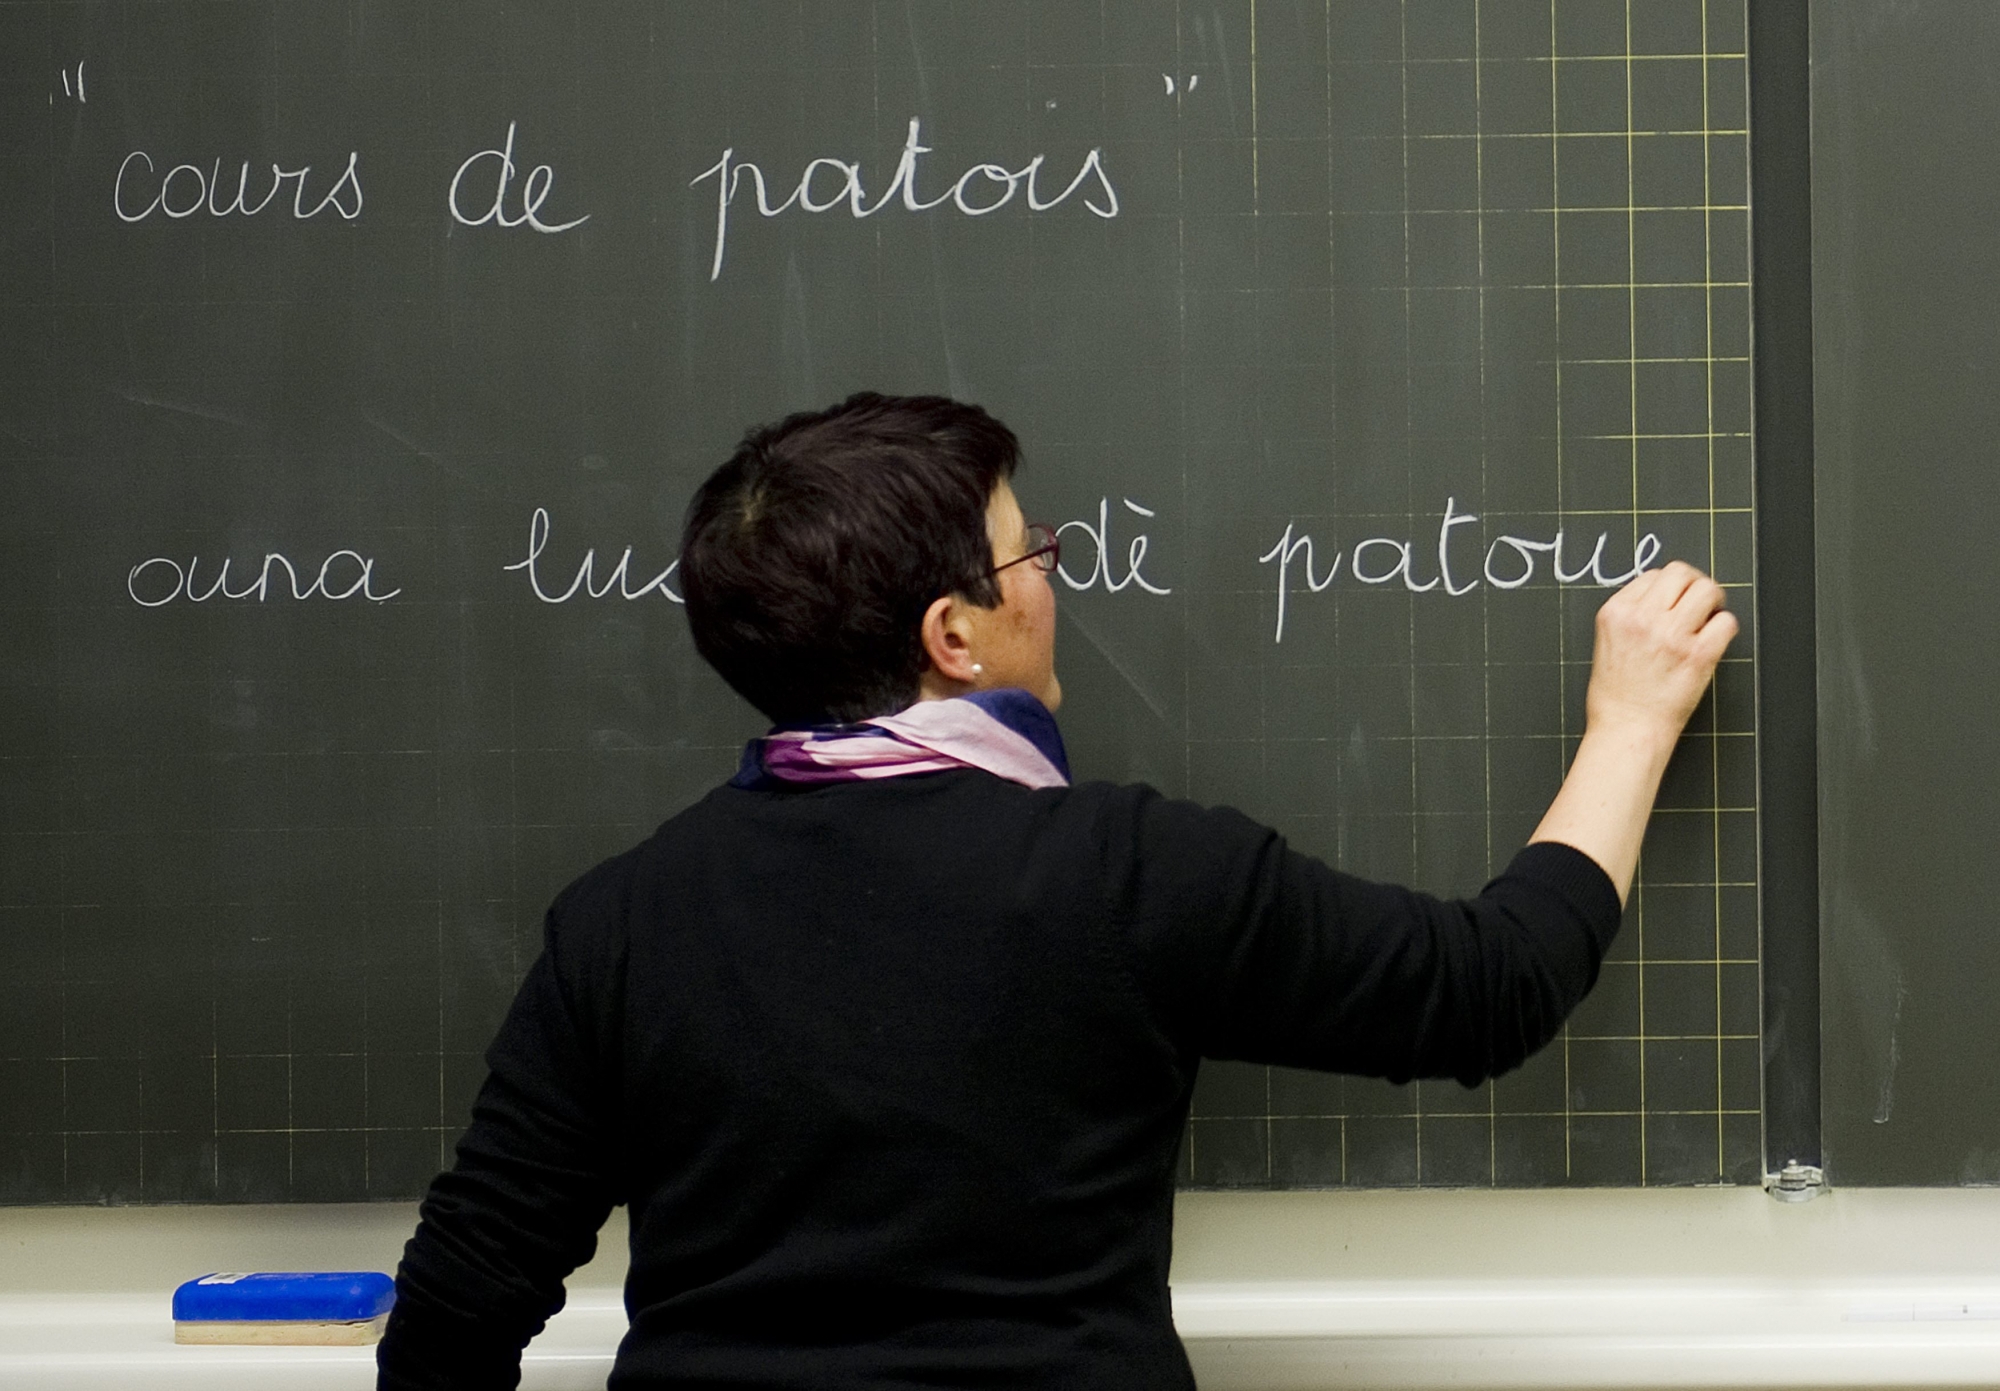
<point>1907,297</point>
<point>1356,345</point>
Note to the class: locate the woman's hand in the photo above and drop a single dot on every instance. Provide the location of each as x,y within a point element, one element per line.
<point>1658,642</point>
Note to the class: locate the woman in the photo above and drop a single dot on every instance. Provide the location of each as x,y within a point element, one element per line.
<point>888,1044</point>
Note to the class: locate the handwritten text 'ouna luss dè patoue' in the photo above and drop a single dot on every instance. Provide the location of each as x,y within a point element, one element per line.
<point>1113,550</point>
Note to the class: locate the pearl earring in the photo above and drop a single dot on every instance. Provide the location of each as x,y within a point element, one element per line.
<point>976,668</point>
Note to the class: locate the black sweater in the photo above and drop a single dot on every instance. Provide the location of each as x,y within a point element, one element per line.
<point>893,1076</point>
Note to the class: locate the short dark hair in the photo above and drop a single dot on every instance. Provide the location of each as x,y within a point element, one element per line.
<point>808,559</point>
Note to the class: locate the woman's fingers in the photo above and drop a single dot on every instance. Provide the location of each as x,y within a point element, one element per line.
<point>1702,598</point>
<point>1680,584</point>
<point>1716,634</point>
<point>1676,589</point>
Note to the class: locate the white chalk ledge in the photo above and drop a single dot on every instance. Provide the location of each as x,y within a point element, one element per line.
<point>1716,1288</point>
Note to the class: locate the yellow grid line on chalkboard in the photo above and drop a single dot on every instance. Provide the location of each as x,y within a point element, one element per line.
<point>1637,907</point>
<point>1561,58</point>
<point>1486,599</point>
<point>1256,254</point>
<point>1618,135</point>
<point>1708,384</point>
<point>1562,633</point>
<point>1524,58</point>
<point>1409,493</point>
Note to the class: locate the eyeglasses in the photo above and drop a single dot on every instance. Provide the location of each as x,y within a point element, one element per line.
<point>1044,548</point>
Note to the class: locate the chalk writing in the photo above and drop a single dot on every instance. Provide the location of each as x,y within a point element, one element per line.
<point>617,580</point>
<point>187,189</point>
<point>160,580</point>
<point>1100,561</point>
<point>1509,562</point>
<point>981,189</point>
<point>533,194</point>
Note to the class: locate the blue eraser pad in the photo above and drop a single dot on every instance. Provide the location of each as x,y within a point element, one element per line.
<point>339,1296</point>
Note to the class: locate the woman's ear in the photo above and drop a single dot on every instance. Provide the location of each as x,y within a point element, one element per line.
<point>947,639</point>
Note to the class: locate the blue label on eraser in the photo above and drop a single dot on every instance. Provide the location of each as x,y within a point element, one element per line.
<point>337,1296</point>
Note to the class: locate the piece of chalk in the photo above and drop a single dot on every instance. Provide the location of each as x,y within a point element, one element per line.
<point>339,1307</point>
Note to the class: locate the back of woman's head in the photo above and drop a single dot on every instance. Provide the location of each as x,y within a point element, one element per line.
<point>809,558</point>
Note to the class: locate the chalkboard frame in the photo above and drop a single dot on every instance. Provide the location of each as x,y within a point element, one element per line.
<point>1780,66</point>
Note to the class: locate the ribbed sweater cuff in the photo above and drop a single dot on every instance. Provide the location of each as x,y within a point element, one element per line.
<point>427,1349</point>
<point>1580,880</point>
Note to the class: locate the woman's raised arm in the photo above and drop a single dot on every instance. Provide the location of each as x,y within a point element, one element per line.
<point>1658,641</point>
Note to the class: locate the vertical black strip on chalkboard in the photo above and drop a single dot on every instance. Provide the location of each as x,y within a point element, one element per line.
<point>1787,688</point>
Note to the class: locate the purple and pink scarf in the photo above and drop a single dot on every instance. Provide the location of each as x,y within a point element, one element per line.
<point>1008,733</point>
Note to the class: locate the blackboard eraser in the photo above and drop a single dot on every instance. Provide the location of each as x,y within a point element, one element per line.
<point>324,1308</point>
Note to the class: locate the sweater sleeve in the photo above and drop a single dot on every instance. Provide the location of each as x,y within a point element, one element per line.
<point>1262,954</point>
<point>520,1209</point>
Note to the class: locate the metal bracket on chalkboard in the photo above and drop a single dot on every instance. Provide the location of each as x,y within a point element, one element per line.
<point>1796,1183</point>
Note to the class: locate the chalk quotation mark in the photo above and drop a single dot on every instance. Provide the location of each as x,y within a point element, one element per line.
<point>71,88</point>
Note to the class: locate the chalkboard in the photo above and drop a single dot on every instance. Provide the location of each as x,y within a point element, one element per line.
<point>1356,346</point>
<point>1907,299</point>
